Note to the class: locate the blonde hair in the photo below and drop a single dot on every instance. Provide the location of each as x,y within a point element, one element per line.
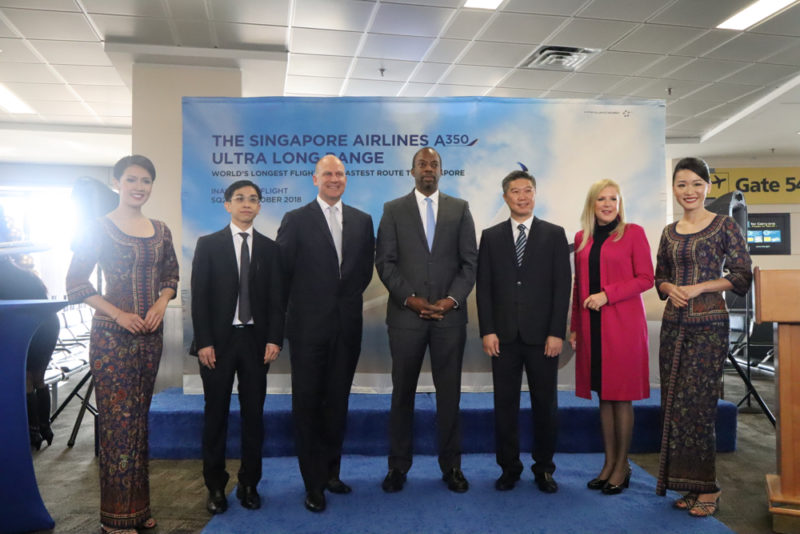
<point>588,217</point>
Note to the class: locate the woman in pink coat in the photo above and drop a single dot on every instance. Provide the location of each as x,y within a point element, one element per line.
<point>613,268</point>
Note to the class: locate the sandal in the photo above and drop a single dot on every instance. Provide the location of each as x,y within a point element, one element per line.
<point>705,509</point>
<point>148,524</point>
<point>685,502</point>
<point>111,530</point>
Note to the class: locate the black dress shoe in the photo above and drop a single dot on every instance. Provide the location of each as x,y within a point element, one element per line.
<point>335,485</point>
<point>249,497</point>
<point>315,501</point>
<point>394,481</point>
<point>546,483</point>
<point>455,480</point>
<point>616,489</point>
<point>597,483</point>
<point>507,481</point>
<point>217,503</point>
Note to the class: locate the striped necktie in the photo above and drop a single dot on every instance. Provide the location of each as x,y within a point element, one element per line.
<point>521,240</point>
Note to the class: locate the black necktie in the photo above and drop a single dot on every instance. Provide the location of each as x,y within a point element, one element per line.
<point>244,282</point>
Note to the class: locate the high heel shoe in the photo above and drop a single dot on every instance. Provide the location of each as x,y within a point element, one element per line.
<point>597,483</point>
<point>616,489</point>
<point>705,509</point>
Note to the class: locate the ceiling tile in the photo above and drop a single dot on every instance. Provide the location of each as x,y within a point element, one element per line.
<point>589,83</point>
<point>272,12</point>
<point>372,88</point>
<point>591,33</point>
<point>495,54</point>
<point>317,65</point>
<point>5,31</point>
<point>341,15</point>
<point>446,50</point>
<point>630,10</point>
<point>250,36</point>
<point>84,119</point>
<point>790,56</point>
<point>707,70</point>
<point>521,28</point>
<point>508,92</point>
<point>786,23</point>
<point>439,3</point>
<point>663,67</point>
<point>705,43</point>
<point>410,20</point>
<point>134,29</point>
<point>622,63</point>
<point>415,90</point>
<point>51,25</point>
<point>54,5</point>
<point>139,8</point>
<point>429,72</point>
<point>369,69</point>
<point>72,52</point>
<point>660,89</point>
<point>111,109</point>
<point>119,94</point>
<point>721,92</point>
<point>88,75</point>
<point>396,47</point>
<point>700,14</point>
<point>699,125</point>
<point>29,73</point>
<point>188,9</point>
<point>533,79</point>
<point>324,42</point>
<point>42,91</point>
<point>752,47</point>
<point>15,51</point>
<point>567,94</point>
<point>561,7</point>
<point>688,108</point>
<point>459,90</point>
<point>657,39</point>
<point>310,85</point>
<point>467,23</point>
<point>195,33</point>
<point>474,75</point>
<point>762,74</point>
<point>48,107</point>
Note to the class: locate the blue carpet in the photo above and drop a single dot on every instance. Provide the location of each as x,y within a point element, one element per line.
<point>176,422</point>
<point>426,506</point>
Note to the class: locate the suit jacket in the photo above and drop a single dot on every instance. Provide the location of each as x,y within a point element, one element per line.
<point>215,289</point>
<point>530,300</point>
<point>406,266</point>
<point>319,301</point>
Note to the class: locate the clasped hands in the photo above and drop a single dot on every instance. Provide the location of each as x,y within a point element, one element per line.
<point>136,325</point>
<point>679,295</point>
<point>428,311</point>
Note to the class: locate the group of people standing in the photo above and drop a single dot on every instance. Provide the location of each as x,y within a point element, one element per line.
<point>249,293</point>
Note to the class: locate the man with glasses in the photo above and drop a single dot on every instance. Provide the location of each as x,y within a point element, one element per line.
<point>237,317</point>
<point>327,248</point>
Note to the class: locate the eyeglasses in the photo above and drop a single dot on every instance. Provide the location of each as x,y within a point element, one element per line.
<point>241,199</point>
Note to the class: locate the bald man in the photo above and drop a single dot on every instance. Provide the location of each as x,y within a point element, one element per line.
<point>328,250</point>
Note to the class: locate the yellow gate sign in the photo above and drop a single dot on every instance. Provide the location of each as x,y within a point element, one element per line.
<point>767,185</point>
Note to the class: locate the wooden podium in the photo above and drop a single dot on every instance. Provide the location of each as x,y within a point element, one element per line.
<point>778,300</point>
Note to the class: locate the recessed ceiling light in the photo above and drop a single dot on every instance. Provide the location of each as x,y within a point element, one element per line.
<point>754,13</point>
<point>11,102</point>
<point>483,4</point>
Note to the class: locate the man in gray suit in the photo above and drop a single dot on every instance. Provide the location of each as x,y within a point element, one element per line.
<point>426,256</point>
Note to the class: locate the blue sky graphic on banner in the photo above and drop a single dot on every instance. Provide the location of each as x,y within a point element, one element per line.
<point>275,141</point>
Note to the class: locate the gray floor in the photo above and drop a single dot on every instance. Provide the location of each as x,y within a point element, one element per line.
<point>68,476</point>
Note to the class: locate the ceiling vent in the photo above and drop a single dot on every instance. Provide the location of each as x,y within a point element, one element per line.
<point>565,58</point>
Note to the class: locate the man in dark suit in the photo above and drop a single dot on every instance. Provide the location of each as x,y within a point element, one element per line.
<point>426,255</point>
<point>523,292</point>
<point>237,316</point>
<point>328,249</point>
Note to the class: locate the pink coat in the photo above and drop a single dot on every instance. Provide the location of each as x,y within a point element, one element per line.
<point>626,271</point>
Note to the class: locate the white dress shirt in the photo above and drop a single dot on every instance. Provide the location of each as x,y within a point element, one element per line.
<point>515,229</point>
<point>324,206</point>
<point>237,247</point>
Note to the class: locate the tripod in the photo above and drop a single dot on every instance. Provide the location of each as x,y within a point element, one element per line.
<point>85,405</point>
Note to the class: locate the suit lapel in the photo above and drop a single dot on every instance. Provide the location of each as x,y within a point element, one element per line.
<point>318,218</point>
<point>226,245</point>
<point>532,243</point>
<point>412,211</point>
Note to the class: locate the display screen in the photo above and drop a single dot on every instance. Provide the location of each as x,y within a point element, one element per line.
<point>768,233</point>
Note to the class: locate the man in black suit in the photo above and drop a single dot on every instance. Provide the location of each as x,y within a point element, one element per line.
<point>237,316</point>
<point>523,292</point>
<point>328,249</point>
<point>426,255</point>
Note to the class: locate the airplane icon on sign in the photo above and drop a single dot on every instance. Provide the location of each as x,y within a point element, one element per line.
<point>717,181</point>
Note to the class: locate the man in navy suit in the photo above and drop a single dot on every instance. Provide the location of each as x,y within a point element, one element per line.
<point>426,255</point>
<point>328,250</point>
<point>237,316</point>
<point>523,290</point>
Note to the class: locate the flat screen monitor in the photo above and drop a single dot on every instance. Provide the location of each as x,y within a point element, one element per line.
<point>769,233</point>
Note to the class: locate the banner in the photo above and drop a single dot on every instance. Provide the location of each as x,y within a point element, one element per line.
<point>565,144</point>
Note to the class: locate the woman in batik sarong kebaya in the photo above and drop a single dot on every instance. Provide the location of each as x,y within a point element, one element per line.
<point>700,256</point>
<point>140,269</point>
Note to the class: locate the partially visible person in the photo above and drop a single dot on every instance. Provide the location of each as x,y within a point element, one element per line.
<point>138,262</point>
<point>18,283</point>
<point>237,318</point>
<point>426,255</point>
<point>328,249</point>
<point>609,327</point>
<point>699,256</point>
<point>523,298</point>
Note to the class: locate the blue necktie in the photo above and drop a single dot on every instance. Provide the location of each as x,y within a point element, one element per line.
<point>521,239</point>
<point>431,223</point>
